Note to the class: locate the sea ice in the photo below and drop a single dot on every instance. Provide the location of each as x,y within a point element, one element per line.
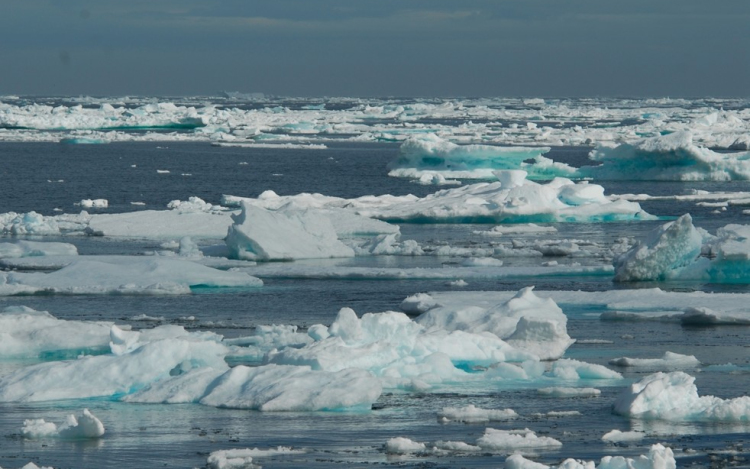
<point>25,332</point>
<point>674,397</point>
<point>259,234</point>
<point>473,414</point>
<point>124,275</point>
<point>617,436</point>
<point>22,248</point>
<point>679,251</point>
<point>672,157</point>
<point>670,360</point>
<point>83,426</point>
<point>504,440</point>
<point>525,321</point>
<point>659,457</point>
<point>558,391</point>
<point>243,458</point>
<point>428,155</point>
<point>401,445</point>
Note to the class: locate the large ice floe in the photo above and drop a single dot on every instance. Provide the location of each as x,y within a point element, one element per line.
<point>679,251</point>
<point>511,199</point>
<point>428,155</point>
<point>124,275</point>
<point>169,365</point>
<point>492,441</point>
<point>658,457</point>
<point>674,397</point>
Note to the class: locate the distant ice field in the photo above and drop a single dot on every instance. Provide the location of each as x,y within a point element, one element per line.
<point>461,266</point>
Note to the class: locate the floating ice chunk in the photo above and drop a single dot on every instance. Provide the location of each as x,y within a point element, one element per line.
<point>617,436</point>
<point>110,376</point>
<point>671,157</point>
<point>504,440</point>
<point>388,244</point>
<point>95,203</point>
<point>558,391</point>
<point>399,351</point>
<point>659,457</point>
<point>460,283</point>
<point>706,317</point>
<point>670,360</point>
<point>401,445</point>
<point>669,249</point>
<point>674,397</point>
<point>560,200</point>
<point>528,228</point>
<point>23,248</point>
<point>30,223</point>
<point>567,368</point>
<point>25,332</point>
<point>481,262</point>
<point>243,458</point>
<point>418,304</point>
<point>526,321</point>
<point>473,414</point>
<point>429,154</point>
<point>259,234</point>
<point>677,249</point>
<point>125,275</point>
<point>436,179</point>
<point>83,426</point>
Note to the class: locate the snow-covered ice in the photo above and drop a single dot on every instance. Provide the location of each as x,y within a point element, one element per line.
<point>76,427</point>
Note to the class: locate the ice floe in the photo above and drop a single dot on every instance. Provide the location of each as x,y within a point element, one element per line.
<point>76,427</point>
<point>674,397</point>
<point>525,321</point>
<point>658,457</point>
<point>124,275</point>
<point>428,155</point>
<point>243,458</point>
<point>670,360</point>
<point>473,414</point>
<point>23,248</point>
<point>679,251</point>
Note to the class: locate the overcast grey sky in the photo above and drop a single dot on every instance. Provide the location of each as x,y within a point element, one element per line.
<point>376,47</point>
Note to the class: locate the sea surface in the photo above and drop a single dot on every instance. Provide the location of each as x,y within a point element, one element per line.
<point>44,177</point>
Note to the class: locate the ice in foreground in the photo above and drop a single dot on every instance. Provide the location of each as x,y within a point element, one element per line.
<point>83,426</point>
<point>674,397</point>
<point>243,458</point>
<point>659,457</point>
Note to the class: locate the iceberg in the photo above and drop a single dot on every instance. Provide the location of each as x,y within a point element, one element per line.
<point>428,155</point>
<point>674,397</point>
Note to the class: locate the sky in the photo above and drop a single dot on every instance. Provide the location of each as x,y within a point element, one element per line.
<point>545,48</point>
